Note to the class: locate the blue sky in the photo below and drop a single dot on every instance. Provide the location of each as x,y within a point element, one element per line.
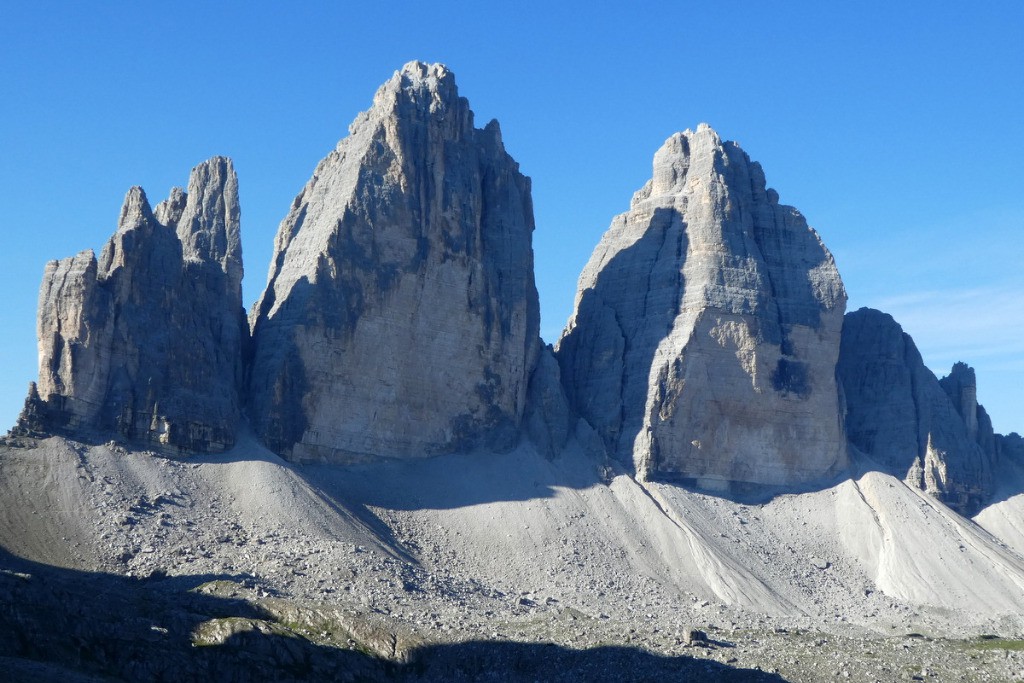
<point>896,128</point>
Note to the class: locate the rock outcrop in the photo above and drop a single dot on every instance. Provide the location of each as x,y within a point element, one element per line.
<point>400,316</point>
<point>548,421</point>
<point>146,341</point>
<point>1010,448</point>
<point>706,329</point>
<point>962,388</point>
<point>931,432</point>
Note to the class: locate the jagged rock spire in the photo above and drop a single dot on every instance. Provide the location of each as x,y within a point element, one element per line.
<point>904,420</point>
<point>706,328</point>
<point>146,341</point>
<point>400,316</point>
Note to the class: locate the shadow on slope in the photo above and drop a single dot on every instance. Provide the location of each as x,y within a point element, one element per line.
<point>455,481</point>
<point>60,624</point>
<point>507,661</point>
<point>61,621</point>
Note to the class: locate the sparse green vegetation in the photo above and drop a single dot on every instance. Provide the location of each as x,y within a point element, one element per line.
<point>995,643</point>
<point>218,631</point>
<point>216,587</point>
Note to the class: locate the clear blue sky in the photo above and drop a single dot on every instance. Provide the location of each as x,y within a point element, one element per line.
<point>896,128</point>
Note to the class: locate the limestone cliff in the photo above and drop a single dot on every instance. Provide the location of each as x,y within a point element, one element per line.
<point>706,328</point>
<point>903,419</point>
<point>962,388</point>
<point>400,316</point>
<point>146,341</point>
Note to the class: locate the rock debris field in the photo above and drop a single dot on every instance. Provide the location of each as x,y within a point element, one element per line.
<point>401,560</point>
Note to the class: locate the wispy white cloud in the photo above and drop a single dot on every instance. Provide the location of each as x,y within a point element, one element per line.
<point>981,326</point>
<point>988,321</point>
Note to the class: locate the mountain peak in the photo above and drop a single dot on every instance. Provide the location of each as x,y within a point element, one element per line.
<point>706,328</point>
<point>422,71</point>
<point>135,209</point>
<point>412,240</point>
<point>146,342</point>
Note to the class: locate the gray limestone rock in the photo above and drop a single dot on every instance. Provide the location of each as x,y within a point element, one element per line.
<point>908,422</point>
<point>146,341</point>
<point>962,388</point>
<point>706,329</point>
<point>400,316</point>
<point>548,421</point>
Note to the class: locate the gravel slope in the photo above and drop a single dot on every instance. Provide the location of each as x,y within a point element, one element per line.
<point>516,547</point>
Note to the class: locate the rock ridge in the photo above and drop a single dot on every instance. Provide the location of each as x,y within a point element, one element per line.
<point>905,421</point>
<point>146,341</point>
<point>400,317</point>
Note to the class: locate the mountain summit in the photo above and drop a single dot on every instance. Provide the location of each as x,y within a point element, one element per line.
<point>707,326</point>
<point>400,316</point>
<point>147,341</point>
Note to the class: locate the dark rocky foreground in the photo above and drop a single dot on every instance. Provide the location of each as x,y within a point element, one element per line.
<point>67,625</point>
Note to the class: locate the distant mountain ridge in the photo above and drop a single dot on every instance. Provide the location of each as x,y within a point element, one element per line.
<point>708,347</point>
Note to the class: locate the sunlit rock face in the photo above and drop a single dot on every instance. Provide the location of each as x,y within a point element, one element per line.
<point>905,421</point>
<point>146,341</point>
<point>400,316</point>
<point>706,329</point>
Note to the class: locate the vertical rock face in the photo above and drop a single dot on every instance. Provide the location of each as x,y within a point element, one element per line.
<point>147,340</point>
<point>547,421</point>
<point>400,316</point>
<point>706,330</point>
<point>910,423</point>
<point>962,388</point>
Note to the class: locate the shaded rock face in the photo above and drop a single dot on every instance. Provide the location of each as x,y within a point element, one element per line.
<point>400,316</point>
<point>1010,447</point>
<point>909,423</point>
<point>706,329</point>
<point>962,388</point>
<point>146,341</point>
<point>548,421</point>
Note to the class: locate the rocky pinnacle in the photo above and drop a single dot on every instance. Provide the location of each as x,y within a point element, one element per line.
<point>706,329</point>
<point>400,316</point>
<point>146,341</point>
<point>903,420</point>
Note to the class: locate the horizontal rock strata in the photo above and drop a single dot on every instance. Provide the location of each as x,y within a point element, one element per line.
<point>706,328</point>
<point>400,316</point>
<point>146,341</point>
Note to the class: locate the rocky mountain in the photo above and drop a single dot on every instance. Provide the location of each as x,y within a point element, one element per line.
<point>400,319</point>
<point>907,422</point>
<point>706,329</point>
<point>962,388</point>
<point>146,341</point>
<point>622,502</point>
<point>400,316</point>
